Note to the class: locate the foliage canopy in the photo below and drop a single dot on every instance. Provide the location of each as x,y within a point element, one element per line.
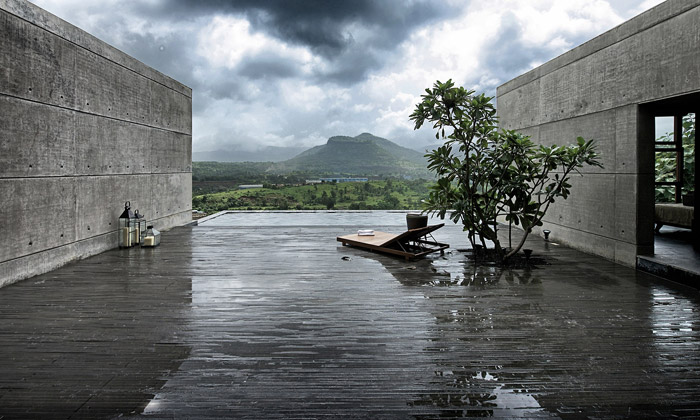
<point>665,163</point>
<point>485,174</point>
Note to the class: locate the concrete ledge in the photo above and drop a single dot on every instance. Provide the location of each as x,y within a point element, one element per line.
<point>45,261</point>
<point>668,271</point>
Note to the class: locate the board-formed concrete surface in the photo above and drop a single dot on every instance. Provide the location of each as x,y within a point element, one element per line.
<point>268,316</point>
<point>609,89</point>
<point>83,129</point>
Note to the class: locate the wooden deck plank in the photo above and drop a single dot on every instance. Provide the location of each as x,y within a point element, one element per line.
<point>218,323</point>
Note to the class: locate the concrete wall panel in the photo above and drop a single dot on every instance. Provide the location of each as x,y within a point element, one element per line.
<point>83,128</point>
<point>35,139</point>
<point>172,114</point>
<point>626,192</point>
<point>590,207</point>
<point>37,214</point>
<point>108,89</point>
<point>584,241</point>
<point>626,152</point>
<point>169,152</point>
<point>170,194</point>
<point>599,127</point>
<point>100,201</point>
<point>660,62</point>
<point>521,108</point>
<point>45,71</point>
<point>107,146</point>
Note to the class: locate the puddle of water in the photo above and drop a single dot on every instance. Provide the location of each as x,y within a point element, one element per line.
<point>480,401</point>
<point>463,272</point>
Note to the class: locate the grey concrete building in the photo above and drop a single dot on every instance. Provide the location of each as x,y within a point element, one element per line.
<point>611,89</point>
<point>83,129</point>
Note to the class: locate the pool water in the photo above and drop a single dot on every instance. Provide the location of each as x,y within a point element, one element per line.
<point>312,218</point>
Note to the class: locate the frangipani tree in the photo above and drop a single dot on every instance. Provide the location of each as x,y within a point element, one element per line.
<point>485,174</point>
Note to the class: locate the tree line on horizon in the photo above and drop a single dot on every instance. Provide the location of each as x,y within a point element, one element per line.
<point>388,194</point>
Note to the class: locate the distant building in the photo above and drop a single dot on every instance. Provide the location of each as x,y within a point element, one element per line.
<point>249,186</point>
<point>344,180</point>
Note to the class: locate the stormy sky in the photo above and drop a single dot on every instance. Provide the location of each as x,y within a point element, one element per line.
<point>293,73</point>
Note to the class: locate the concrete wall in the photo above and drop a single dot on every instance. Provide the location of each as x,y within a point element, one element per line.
<point>83,128</point>
<point>598,90</point>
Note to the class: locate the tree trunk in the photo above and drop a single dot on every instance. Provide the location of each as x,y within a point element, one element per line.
<point>520,245</point>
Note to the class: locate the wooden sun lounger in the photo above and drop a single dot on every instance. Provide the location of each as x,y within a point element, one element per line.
<point>414,243</point>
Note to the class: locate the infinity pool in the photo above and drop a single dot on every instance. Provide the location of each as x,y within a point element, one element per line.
<point>367,218</point>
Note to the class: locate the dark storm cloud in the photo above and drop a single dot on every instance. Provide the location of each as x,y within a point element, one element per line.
<point>318,24</point>
<point>324,27</point>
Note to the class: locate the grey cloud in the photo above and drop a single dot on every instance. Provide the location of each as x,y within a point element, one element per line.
<point>507,54</point>
<point>168,54</point>
<point>314,23</point>
<point>352,67</point>
<point>221,85</point>
<point>265,66</point>
<point>353,39</point>
<point>322,26</point>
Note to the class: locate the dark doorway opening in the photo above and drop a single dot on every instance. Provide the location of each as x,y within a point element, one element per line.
<point>676,252</point>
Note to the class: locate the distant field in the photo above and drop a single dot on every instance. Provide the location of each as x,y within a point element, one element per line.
<point>372,195</point>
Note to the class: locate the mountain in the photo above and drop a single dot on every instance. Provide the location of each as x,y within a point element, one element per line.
<point>267,154</point>
<point>364,155</point>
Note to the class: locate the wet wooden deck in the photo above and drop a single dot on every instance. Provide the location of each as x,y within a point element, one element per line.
<point>256,322</point>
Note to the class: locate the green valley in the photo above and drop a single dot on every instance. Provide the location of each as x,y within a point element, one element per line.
<point>397,179</point>
<point>372,195</point>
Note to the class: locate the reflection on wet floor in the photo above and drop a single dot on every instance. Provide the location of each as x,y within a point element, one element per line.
<point>562,338</point>
<point>283,322</point>
<point>459,270</point>
<point>478,394</point>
